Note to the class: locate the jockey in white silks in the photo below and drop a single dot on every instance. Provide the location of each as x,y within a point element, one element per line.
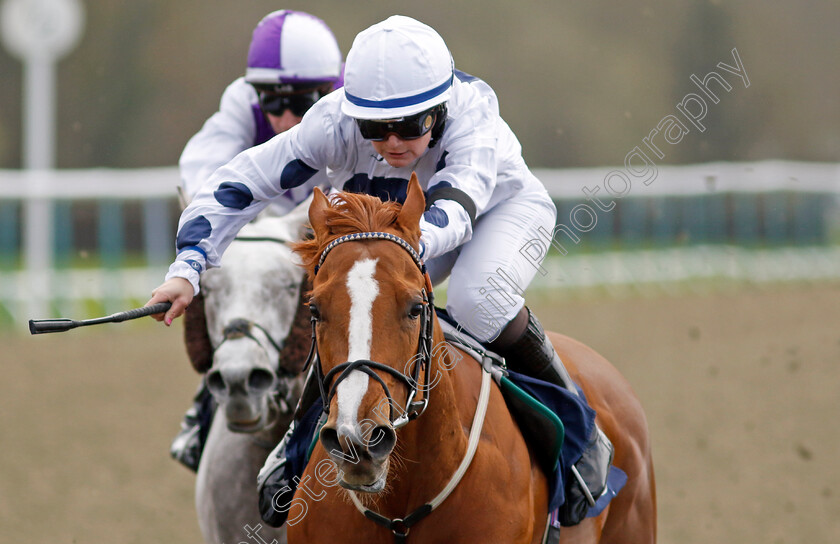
<point>403,109</point>
<point>293,60</point>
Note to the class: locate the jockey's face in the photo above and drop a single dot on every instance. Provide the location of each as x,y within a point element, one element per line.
<point>399,152</point>
<point>282,123</point>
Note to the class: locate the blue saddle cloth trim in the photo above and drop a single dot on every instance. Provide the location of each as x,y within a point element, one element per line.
<point>615,481</point>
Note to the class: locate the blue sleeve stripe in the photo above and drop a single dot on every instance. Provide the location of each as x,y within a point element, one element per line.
<point>194,248</point>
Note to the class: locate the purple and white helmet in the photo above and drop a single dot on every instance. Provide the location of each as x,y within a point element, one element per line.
<point>396,68</point>
<point>293,47</point>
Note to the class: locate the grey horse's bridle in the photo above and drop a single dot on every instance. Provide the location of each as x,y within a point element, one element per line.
<point>243,328</point>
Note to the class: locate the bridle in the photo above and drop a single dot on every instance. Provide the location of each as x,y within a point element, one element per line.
<point>422,360</point>
<point>400,527</point>
<point>243,328</point>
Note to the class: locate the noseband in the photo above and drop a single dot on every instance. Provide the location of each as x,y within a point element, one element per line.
<point>241,328</point>
<point>413,409</point>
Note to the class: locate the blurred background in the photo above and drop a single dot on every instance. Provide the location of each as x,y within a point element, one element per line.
<point>713,287</point>
<point>580,83</point>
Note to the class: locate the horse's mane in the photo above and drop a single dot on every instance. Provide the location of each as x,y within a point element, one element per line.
<point>349,213</point>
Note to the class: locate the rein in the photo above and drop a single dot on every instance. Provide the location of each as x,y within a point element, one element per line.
<point>400,527</point>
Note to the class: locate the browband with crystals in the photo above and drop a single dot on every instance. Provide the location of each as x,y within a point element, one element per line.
<point>373,236</point>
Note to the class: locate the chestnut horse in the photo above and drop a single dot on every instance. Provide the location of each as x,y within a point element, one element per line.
<point>419,440</point>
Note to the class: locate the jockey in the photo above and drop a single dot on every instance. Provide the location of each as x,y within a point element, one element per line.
<point>293,61</point>
<point>403,108</point>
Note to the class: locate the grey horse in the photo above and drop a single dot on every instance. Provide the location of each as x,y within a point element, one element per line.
<point>259,338</point>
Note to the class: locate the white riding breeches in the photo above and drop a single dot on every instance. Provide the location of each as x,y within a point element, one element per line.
<point>489,274</point>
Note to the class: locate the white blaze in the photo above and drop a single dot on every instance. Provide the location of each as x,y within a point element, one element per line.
<point>363,290</point>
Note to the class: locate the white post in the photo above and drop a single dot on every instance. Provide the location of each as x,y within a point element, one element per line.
<point>39,32</point>
<point>39,159</point>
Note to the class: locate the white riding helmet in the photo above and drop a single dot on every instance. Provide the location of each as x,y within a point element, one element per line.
<point>293,47</point>
<point>396,68</point>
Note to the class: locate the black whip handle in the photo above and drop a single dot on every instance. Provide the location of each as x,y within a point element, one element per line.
<point>158,308</point>
<point>41,326</point>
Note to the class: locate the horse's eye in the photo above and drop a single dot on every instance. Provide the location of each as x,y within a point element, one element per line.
<point>313,309</point>
<point>415,310</point>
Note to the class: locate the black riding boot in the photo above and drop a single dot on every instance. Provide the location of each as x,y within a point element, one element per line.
<point>188,445</point>
<point>532,354</point>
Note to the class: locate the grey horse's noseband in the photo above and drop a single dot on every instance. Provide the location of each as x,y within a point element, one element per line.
<point>241,328</point>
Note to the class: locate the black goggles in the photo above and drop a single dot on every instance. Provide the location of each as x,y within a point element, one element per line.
<point>297,103</point>
<point>407,128</point>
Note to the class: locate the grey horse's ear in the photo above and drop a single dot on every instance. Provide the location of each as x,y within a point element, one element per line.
<point>299,216</point>
<point>183,200</point>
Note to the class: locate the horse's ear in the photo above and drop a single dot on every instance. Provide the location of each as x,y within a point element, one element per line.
<point>318,212</point>
<point>413,208</point>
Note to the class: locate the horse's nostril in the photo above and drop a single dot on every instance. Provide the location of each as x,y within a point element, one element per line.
<point>215,382</point>
<point>381,441</point>
<point>329,439</point>
<point>260,380</point>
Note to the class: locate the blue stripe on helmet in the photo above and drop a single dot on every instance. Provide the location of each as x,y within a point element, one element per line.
<point>399,102</point>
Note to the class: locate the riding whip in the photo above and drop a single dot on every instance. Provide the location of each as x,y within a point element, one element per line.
<point>40,326</point>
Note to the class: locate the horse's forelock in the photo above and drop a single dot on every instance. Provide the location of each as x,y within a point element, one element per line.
<point>350,213</point>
